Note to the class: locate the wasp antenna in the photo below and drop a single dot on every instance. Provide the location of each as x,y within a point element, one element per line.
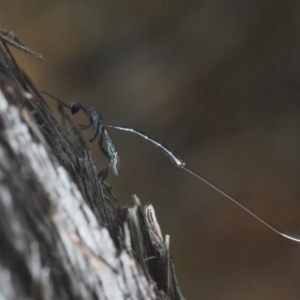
<point>58,100</point>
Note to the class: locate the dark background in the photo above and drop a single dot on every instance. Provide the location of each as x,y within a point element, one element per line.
<point>218,81</point>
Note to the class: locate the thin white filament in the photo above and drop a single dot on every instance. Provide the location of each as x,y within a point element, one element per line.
<point>179,162</point>
<point>240,205</point>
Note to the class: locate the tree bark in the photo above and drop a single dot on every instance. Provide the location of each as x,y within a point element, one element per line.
<point>63,235</point>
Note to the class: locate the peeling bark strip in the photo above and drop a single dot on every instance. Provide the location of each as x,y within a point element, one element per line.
<point>62,233</point>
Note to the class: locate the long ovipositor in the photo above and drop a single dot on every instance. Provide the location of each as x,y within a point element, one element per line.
<point>180,163</point>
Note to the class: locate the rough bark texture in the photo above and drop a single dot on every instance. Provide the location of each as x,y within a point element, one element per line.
<point>62,233</point>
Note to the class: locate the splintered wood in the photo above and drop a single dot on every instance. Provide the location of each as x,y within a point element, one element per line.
<point>63,233</point>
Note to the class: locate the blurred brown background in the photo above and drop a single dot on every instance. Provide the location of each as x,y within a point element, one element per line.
<point>219,82</point>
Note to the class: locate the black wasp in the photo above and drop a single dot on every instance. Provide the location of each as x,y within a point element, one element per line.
<point>111,153</point>
<point>98,124</point>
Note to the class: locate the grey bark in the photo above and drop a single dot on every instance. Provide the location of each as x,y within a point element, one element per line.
<point>62,233</point>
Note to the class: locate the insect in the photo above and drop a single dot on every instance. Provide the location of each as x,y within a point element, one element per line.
<point>97,121</point>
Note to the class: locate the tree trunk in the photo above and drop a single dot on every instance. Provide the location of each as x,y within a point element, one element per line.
<point>62,233</point>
